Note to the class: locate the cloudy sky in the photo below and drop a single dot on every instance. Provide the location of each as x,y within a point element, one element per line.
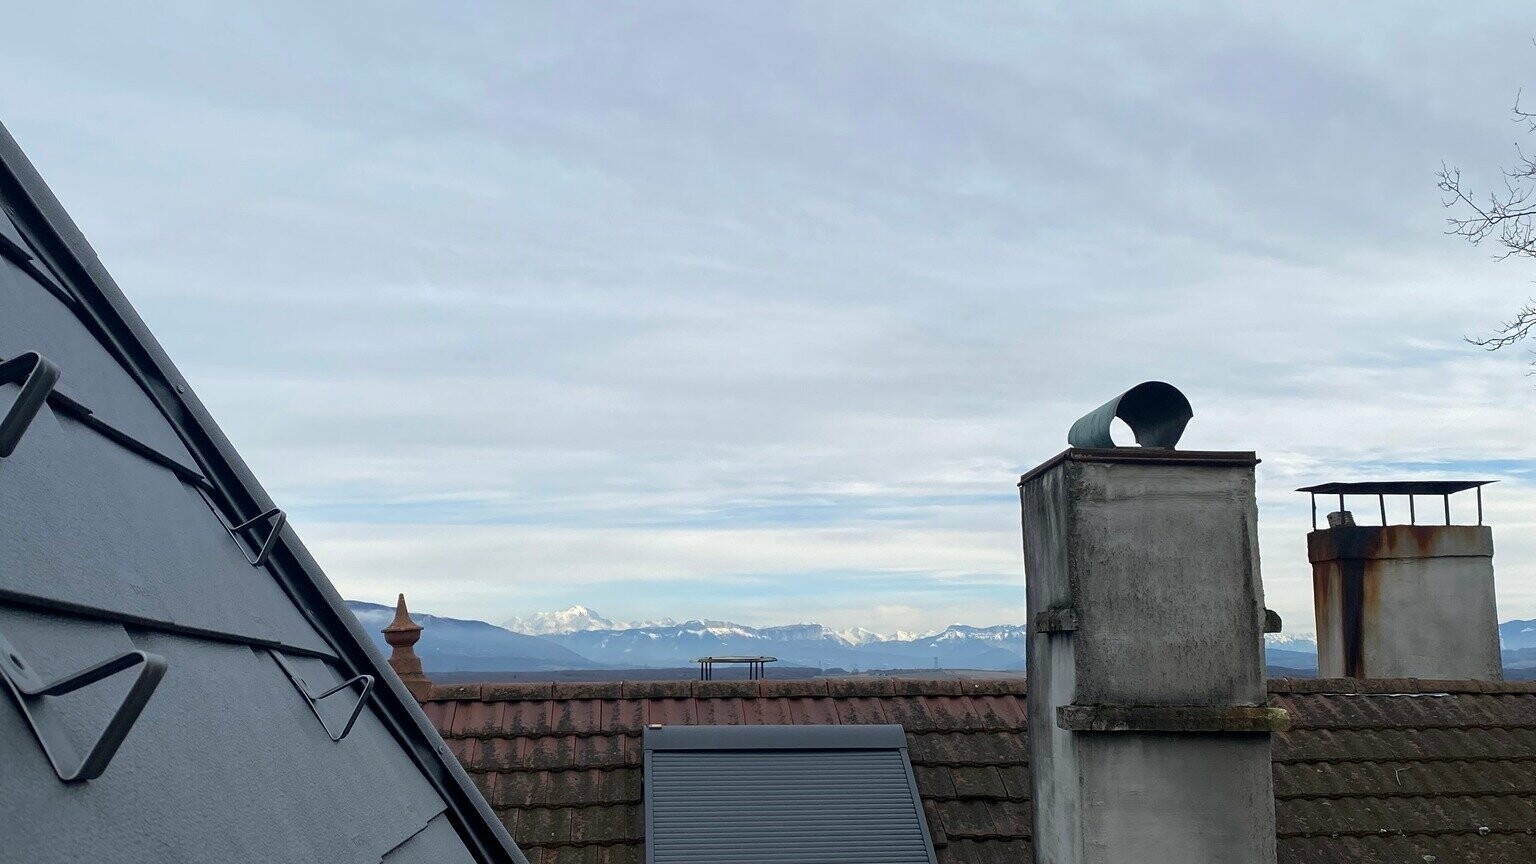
<point>758,313</point>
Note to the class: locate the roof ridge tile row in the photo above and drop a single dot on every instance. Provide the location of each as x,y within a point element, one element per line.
<point>814,687</point>
<point>867,687</point>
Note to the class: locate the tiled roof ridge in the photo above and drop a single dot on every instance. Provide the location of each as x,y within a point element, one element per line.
<point>868,687</point>
<point>1402,832</point>
<point>1428,793</point>
<point>1390,686</point>
<point>1366,725</point>
<point>1345,760</point>
<point>494,734</point>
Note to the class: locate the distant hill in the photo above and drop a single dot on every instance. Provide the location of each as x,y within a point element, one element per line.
<point>1515,635</point>
<point>579,639</point>
<point>453,644</point>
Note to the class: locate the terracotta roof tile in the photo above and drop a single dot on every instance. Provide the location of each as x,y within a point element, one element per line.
<point>526,718</point>
<point>718,689</point>
<point>577,716</point>
<point>718,712</point>
<point>542,826</point>
<point>1412,849</point>
<point>454,691</point>
<point>670,712</point>
<point>606,824</point>
<point>1015,780</point>
<point>924,713</point>
<point>513,691</point>
<point>839,687</point>
<point>984,819</point>
<point>942,687</point>
<point>550,752</point>
<point>607,751</point>
<point>768,711</point>
<point>589,689</point>
<point>986,852</point>
<point>655,689</point>
<point>815,711</point>
<point>623,715</point>
<point>813,687</point>
<point>933,781</point>
<point>610,853</point>
<point>439,713</point>
<point>981,781</point>
<point>478,718</point>
<point>1362,776</point>
<point>860,709</point>
<point>560,788</point>
<point>994,687</point>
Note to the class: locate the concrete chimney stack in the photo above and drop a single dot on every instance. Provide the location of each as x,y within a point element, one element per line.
<point>1149,731</point>
<point>1404,601</point>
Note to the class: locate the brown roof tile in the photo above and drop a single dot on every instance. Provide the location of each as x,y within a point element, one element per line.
<point>719,712</point>
<point>623,715</point>
<point>655,689</point>
<point>718,689</point>
<point>577,716</point>
<point>813,687</point>
<point>942,687</point>
<point>841,687</point>
<point>981,781</point>
<point>478,718</point>
<point>670,712</point>
<point>609,824</point>
<point>515,691</point>
<point>814,711</point>
<point>1362,776</point>
<point>441,692</point>
<point>589,689</point>
<point>933,781</point>
<point>986,852</point>
<point>542,826</point>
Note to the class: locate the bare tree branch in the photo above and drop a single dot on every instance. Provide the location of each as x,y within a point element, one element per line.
<point>1507,218</point>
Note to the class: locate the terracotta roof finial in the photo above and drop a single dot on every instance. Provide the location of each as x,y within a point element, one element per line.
<point>402,634</point>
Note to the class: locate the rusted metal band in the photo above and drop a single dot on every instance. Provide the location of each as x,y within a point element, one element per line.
<point>1059,620</point>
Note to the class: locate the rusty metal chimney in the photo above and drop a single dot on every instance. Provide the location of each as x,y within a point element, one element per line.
<point>1404,601</point>
<point>402,634</point>
<point>1149,732</point>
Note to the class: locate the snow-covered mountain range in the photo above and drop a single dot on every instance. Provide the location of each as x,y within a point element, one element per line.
<point>580,638</point>
<point>572,620</point>
<point>578,619</point>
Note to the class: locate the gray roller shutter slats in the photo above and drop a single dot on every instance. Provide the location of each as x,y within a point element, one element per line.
<point>717,806</point>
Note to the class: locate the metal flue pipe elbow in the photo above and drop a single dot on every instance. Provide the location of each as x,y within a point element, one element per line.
<point>1156,412</point>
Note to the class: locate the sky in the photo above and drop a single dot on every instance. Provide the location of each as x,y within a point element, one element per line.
<point>757,312</point>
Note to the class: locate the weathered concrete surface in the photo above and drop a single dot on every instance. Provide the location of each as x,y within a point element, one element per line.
<point>1177,799</point>
<point>1405,601</point>
<point>1155,554</point>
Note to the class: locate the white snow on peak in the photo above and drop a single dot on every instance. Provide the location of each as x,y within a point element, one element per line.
<point>859,636</point>
<point>1303,641</point>
<point>570,620</point>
